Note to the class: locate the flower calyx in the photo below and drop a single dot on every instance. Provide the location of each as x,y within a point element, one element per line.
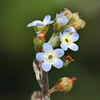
<point>38,42</point>
<point>65,84</point>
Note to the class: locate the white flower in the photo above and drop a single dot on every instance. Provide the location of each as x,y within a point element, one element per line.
<point>61,19</point>
<point>50,57</point>
<point>45,22</point>
<point>67,40</point>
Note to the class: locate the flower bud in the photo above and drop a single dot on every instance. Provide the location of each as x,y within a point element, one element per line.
<point>72,29</point>
<point>76,24</point>
<point>75,16</point>
<point>60,22</point>
<point>38,42</point>
<point>82,23</point>
<point>69,15</point>
<point>65,84</point>
<point>36,96</point>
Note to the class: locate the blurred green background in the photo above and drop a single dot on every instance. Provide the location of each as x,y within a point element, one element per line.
<point>17,78</point>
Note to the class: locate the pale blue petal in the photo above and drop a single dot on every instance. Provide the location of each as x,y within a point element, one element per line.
<point>62,22</point>
<point>40,24</point>
<point>61,15</point>
<point>30,25</point>
<point>33,23</point>
<point>38,32</point>
<point>47,47</point>
<point>61,19</point>
<point>40,56</point>
<point>56,17</point>
<point>65,18</point>
<point>46,66</point>
<point>64,46</point>
<point>50,22</point>
<point>75,37</point>
<point>58,63</point>
<point>47,19</point>
<point>73,46</point>
<point>67,32</point>
<point>59,52</point>
<point>60,36</point>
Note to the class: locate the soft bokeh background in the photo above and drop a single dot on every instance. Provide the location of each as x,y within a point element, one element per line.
<point>17,79</point>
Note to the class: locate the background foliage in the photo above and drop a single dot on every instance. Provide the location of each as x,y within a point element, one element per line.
<point>17,79</point>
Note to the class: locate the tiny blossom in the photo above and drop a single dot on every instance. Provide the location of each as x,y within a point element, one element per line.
<point>67,40</point>
<point>50,57</point>
<point>45,22</point>
<point>61,19</point>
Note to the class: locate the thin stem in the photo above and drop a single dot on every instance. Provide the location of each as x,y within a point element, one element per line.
<point>45,86</point>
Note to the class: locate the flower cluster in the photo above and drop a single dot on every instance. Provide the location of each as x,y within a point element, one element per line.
<point>48,56</point>
<point>52,53</point>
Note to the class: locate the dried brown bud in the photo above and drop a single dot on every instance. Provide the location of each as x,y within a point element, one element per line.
<point>69,58</point>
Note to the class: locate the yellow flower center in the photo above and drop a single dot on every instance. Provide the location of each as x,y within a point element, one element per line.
<point>67,40</point>
<point>40,28</point>
<point>50,57</point>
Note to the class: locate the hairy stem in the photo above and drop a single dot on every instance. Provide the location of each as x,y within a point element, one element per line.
<point>45,86</point>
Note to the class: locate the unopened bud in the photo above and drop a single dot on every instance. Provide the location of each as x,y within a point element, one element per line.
<point>82,23</point>
<point>38,42</point>
<point>65,84</point>
<point>75,16</point>
<point>76,24</point>
<point>69,15</point>
<point>72,29</point>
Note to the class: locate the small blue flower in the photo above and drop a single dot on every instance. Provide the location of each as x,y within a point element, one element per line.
<point>50,57</point>
<point>61,19</point>
<point>45,22</point>
<point>67,40</point>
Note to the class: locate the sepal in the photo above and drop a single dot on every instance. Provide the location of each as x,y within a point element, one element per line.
<point>38,42</point>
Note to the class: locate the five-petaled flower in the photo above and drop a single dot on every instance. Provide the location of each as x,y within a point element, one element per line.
<point>61,19</point>
<point>50,57</point>
<point>67,40</point>
<point>46,21</point>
